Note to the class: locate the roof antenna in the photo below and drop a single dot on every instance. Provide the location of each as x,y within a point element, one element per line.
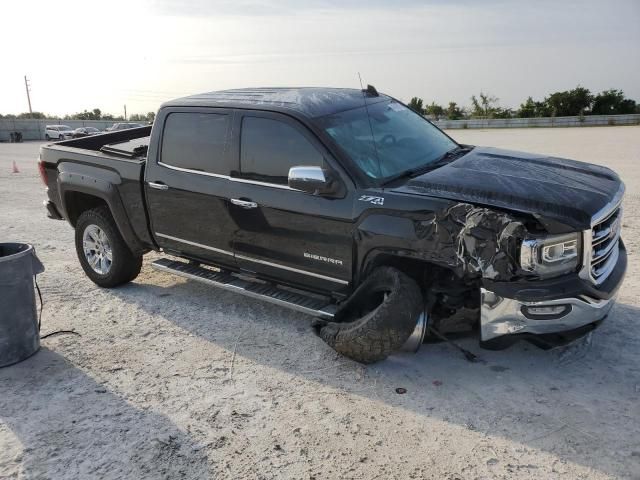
<point>373,92</point>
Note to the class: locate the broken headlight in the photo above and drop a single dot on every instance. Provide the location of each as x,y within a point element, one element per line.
<point>550,255</point>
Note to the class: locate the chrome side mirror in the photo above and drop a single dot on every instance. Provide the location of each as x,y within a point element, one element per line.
<point>313,180</point>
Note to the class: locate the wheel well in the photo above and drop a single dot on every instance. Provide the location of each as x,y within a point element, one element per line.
<point>77,202</point>
<point>410,266</point>
<point>445,292</point>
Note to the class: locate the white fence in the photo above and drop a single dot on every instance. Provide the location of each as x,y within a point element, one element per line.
<point>34,129</point>
<point>583,121</point>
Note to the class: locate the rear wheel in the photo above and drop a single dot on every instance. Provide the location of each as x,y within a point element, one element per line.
<point>377,319</point>
<point>103,253</point>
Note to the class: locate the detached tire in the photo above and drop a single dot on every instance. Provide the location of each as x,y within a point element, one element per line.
<point>103,253</point>
<point>377,319</point>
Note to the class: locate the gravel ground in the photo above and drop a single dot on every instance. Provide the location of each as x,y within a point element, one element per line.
<point>171,379</point>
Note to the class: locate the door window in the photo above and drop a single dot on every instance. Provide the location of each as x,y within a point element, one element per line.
<point>196,141</point>
<point>268,148</point>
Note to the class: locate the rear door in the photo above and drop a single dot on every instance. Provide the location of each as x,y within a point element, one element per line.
<point>187,184</point>
<point>287,235</point>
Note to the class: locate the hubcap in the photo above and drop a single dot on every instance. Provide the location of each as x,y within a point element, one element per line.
<point>97,249</point>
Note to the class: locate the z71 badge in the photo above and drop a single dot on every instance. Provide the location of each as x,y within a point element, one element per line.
<point>372,199</point>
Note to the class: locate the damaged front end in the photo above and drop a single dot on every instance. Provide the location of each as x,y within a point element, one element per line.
<point>525,282</point>
<point>509,275</point>
<point>506,273</point>
<point>466,244</point>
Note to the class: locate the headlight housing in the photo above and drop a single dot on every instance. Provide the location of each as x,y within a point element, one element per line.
<point>551,255</point>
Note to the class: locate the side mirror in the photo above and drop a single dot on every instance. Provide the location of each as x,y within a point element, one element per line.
<point>313,180</point>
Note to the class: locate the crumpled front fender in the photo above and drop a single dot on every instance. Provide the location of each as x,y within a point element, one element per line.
<point>474,242</point>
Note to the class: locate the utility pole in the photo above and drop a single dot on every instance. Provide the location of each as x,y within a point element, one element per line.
<point>28,88</point>
<point>125,112</point>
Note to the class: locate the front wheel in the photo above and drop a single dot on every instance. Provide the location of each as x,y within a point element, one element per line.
<point>47,137</point>
<point>377,319</point>
<point>103,253</point>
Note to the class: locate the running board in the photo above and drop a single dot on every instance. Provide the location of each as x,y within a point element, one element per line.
<point>311,305</point>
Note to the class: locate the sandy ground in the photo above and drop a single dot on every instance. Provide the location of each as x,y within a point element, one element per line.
<point>171,379</point>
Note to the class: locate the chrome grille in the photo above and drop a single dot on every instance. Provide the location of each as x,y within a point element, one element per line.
<point>605,239</point>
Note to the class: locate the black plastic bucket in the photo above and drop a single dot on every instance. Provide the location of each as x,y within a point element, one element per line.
<point>19,330</point>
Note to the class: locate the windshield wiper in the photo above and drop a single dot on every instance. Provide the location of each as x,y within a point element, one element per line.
<point>453,153</point>
<point>443,160</point>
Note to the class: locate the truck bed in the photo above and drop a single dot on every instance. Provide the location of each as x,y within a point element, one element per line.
<point>96,142</point>
<point>112,163</point>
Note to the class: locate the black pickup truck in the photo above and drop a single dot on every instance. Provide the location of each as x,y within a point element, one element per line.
<point>346,205</point>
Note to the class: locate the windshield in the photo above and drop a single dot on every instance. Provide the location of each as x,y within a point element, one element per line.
<point>403,139</point>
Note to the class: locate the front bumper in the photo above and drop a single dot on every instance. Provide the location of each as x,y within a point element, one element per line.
<point>500,316</point>
<point>506,315</point>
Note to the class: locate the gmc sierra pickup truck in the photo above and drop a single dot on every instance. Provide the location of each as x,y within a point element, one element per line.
<point>346,205</point>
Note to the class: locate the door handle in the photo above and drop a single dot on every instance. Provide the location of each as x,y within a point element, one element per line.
<point>158,186</point>
<point>244,203</point>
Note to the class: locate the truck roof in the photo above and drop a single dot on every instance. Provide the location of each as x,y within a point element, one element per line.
<point>309,101</point>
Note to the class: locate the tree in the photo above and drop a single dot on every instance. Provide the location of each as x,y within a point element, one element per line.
<point>34,115</point>
<point>612,102</point>
<point>108,116</point>
<point>486,107</point>
<point>142,117</point>
<point>416,105</point>
<point>543,109</point>
<point>569,103</point>
<point>527,109</point>
<point>502,113</point>
<point>434,110</point>
<point>94,114</point>
<point>454,112</point>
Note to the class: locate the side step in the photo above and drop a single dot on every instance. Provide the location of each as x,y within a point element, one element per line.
<point>311,305</point>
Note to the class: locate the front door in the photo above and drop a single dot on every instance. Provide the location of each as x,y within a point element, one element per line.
<point>287,235</point>
<point>187,184</point>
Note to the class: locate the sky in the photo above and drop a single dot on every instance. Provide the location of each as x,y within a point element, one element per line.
<point>85,54</point>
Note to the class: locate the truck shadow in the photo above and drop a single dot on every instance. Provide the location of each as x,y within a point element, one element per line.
<point>66,424</point>
<point>573,402</point>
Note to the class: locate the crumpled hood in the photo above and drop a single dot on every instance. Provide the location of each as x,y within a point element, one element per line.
<point>568,191</point>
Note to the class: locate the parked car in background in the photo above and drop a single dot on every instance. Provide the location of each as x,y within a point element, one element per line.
<point>58,132</point>
<point>85,132</point>
<point>123,126</point>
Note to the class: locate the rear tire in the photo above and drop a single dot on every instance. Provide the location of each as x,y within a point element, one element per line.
<point>377,319</point>
<point>122,266</point>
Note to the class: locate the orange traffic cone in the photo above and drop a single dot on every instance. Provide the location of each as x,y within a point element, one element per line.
<point>15,168</point>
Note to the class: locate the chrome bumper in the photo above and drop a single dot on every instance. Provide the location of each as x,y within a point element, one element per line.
<point>505,316</point>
